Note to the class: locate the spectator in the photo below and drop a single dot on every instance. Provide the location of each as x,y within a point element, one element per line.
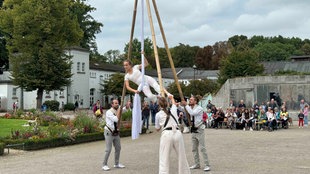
<point>301,117</point>
<point>154,110</point>
<point>209,105</point>
<point>231,116</point>
<point>247,122</point>
<point>127,107</point>
<point>97,110</point>
<point>253,116</point>
<point>146,114</point>
<point>273,104</point>
<point>271,120</point>
<point>182,118</point>
<point>219,117</point>
<point>241,104</point>
<point>306,113</point>
<point>231,104</point>
<point>283,105</point>
<point>302,104</point>
<point>76,106</point>
<point>284,118</point>
<point>256,106</point>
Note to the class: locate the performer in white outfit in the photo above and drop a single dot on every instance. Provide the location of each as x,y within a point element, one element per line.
<point>134,74</point>
<point>198,134</point>
<point>171,137</point>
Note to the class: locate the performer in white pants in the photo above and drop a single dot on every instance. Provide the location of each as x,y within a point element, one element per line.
<point>171,138</point>
<point>134,74</point>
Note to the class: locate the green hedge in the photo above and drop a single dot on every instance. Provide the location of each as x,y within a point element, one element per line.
<point>37,144</point>
<point>69,107</point>
<point>2,148</point>
<point>52,105</point>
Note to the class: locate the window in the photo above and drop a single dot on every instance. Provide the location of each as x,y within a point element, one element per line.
<point>61,94</point>
<point>78,67</point>
<point>91,97</point>
<point>92,91</point>
<point>101,77</point>
<point>14,91</point>
<point>83,67</point>
<point>47,94</point>
<point>92,75</point>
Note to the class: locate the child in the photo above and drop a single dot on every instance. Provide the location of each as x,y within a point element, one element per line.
<point>301,119</point>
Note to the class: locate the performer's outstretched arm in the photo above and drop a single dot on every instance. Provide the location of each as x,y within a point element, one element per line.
<point>129,88</point>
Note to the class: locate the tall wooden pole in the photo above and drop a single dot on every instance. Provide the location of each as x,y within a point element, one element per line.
<point>128,57</point>
<point>170,58</point>
<point>155,49</point>
<point>168,51</point>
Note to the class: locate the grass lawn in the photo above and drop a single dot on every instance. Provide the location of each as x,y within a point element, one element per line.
<point>6,125</point>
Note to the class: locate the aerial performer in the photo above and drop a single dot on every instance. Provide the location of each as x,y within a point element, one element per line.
<point>134,74</point>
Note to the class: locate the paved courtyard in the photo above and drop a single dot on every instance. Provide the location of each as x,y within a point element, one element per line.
<point>230,152</point>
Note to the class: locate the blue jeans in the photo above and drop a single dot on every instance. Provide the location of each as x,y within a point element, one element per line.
<point>306,120</point>
<point>146,120</point>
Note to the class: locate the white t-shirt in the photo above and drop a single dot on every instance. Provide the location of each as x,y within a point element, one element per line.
<point>161,116</point>
<point>135,76</point>
<point>110,118</point>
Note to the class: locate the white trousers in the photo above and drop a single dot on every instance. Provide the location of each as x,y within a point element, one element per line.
<point>172,140</point>
<point>149,81</point>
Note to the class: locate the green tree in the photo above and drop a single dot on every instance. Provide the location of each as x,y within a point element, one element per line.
<point>172,88</point>
<point>41,31</point>
<point>136,51</point>
<point>274,51</point>
<point>114,85</point>
<point>113,56</point>
<point>238,41</point>
<point>87,23</point>
<point>239,64</point>
<point>4,60</point>
<point>184,55</point>
<point>201,87</point>
<point>306,49</point>
<point>196,87</point>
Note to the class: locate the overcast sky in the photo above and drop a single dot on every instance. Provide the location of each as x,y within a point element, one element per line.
<point>202,22</point>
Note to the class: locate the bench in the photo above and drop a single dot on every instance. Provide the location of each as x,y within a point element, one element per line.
<point>14,145</point>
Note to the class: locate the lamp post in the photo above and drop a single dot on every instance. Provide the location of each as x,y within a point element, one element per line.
<point>194,67</point>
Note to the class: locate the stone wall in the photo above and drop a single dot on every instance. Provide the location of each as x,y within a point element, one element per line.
<point>290,89</point>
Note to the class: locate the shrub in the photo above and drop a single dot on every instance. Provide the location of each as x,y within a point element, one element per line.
<point>85,123</point>
<point>48,118</point>
<point>1,148</point>
<point>52,105</point>
<point>69,107</point>
<point>127,116</point>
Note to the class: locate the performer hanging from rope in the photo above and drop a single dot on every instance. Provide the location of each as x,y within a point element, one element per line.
<point>134,74</point>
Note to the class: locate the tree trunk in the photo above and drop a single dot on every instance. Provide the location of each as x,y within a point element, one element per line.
<point>39,98</point>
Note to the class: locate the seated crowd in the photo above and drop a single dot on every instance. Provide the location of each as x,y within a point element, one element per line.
<point>265,116</point>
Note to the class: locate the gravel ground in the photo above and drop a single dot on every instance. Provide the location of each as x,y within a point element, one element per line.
<point>230,152</point>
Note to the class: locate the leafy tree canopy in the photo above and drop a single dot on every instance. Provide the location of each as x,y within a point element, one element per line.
<point>38,34</point>
<point>240,64</point>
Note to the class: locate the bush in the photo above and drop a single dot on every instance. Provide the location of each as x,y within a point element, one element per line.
<point>1,148</point>
<point>69,107</point>
<point>85,123</point>
<point>52,105</point>
<point>127,116</point>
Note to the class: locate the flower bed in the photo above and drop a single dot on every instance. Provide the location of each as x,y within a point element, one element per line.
<point>47,130</point>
